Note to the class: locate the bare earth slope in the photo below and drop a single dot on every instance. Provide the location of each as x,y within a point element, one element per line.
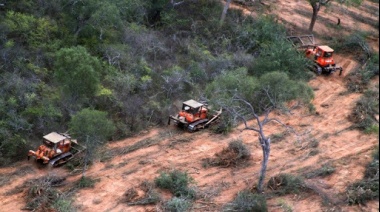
<point>163,149</point>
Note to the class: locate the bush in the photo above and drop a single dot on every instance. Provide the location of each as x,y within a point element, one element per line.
<point>248,201</point>
<point>177,182</point>
<point>365,110</point>
<point>178,205</point>
<point>363,191</point>
<point>235,153</point>
<point>368,188</point>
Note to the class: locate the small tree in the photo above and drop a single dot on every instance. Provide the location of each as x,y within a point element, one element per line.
<point>77,72</point>
<point>93,127</point>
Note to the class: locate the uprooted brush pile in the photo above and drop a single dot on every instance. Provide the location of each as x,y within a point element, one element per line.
<point>42,192</point>
<point>235,154</point>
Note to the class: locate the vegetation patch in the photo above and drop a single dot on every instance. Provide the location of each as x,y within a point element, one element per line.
<point>235,154</point>
<point>365,111</point>
<point>247,201</point>
<point>363,191</point>
<point>366,189</point>
<point>42,192</point>
<point>151,196</point>
<point>178,204</point>
<point>283,184</point>
<point>86,182</point>
<point>24,170</point>
<point>177,183</point>
<point>325,170</point>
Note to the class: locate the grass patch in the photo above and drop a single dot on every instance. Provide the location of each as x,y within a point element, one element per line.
<point>86,182</point>
<point>247,201</point>
<point>275,138</point>
<point>324,171</point>
<point>236,153</point>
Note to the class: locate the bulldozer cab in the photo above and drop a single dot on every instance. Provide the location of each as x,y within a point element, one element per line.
<point>192,106</point>
<point>325,51</point>
<point>57,141</point>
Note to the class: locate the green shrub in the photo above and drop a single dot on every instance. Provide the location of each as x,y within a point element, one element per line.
<point>177,182</point>
<point>63,205</point>
<point>368,188</point>
<point>363,191</point>
<point>248,202</point>
<point>177,204</point>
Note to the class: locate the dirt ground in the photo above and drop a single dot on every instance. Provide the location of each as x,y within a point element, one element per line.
<point>348,150</point>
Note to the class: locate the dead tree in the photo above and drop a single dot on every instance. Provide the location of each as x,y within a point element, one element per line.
<point>264,140</point>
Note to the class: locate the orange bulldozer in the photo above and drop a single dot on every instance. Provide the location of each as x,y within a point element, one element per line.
<point>57,149</point>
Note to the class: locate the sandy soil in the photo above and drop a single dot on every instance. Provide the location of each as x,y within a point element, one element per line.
<point>348,150</point>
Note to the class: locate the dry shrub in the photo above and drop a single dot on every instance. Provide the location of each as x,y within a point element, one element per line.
<point>151,196</point>
<point>130,195</point>
<point>236,153</point>
<point>283,184</point>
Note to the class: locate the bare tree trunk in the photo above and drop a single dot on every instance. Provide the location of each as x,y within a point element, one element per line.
<point>226,6</point>
<point>86,156</point>
<point>265,145</point>
<point>316,7</point>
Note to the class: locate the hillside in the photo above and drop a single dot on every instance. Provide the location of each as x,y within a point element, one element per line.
<point>325,137</point>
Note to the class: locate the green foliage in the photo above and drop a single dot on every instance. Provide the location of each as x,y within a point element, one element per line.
<point>266,31</point>
<point>92,125</point>
<point>231,82</point>
<point>248,202</point>
<point>177,182</point>
<point>281,56</point>
<point>355,44</point>
<point>178,204</point>
<point>77,72</point>
<point>363,191</point>
<point>276,88</point>
<point>32,31</point>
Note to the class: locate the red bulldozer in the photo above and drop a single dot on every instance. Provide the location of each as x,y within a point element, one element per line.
<point>321,55</point>
<point>194,116</point>
<point>56,149</point>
